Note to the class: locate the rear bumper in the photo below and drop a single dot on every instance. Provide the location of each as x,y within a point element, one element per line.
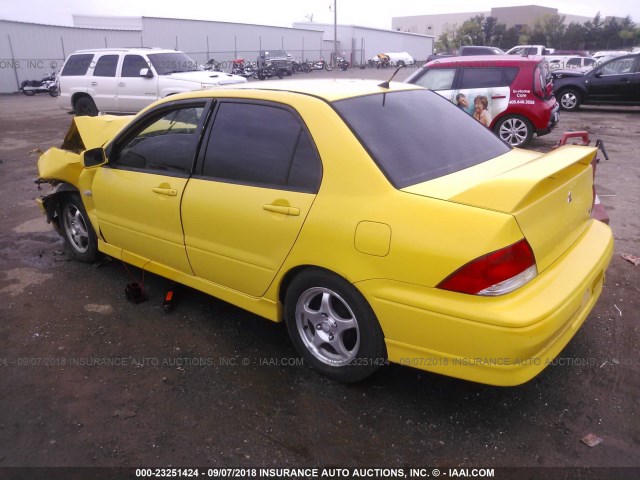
<point>502,340</point>
<point>553,121</point>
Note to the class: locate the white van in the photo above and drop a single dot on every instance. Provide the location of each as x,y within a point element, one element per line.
<point>126,80</point>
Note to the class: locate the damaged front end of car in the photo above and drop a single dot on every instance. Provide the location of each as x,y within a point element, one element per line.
<point>63,168</point>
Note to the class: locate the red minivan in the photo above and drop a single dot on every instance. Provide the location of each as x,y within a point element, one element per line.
<point>513,96</point>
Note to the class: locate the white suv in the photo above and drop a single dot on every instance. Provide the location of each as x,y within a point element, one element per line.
<point>126,80</point>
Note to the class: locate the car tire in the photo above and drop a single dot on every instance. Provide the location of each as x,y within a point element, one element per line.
<point>570,99</point>
<point>515,130</point>
<point>85,107</point>
<point>77,230</point>
<point>333,327</point>
<point>400,64</point>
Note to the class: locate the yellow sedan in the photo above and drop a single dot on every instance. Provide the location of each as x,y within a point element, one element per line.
<point>379,222</point>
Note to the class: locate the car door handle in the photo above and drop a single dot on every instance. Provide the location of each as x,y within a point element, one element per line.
<point>93,84</point>
<point>293,211</point>
<point>121,84</point>
<point>172,192</point>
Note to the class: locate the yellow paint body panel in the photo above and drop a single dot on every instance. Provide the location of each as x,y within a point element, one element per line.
<point>394,246</point>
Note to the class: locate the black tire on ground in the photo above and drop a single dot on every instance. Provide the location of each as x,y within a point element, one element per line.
<point>333,327</point>
<point>54,91</point>
<point>85,107</point>
<point>570,99</point>
<point>77,230</point>
<point>514,130</point>
<point>400,63</point>
<point>328,67</point>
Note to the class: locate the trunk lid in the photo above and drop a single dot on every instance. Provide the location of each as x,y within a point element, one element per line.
<point>549,195</point>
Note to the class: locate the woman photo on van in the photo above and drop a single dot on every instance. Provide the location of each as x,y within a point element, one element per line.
<point>481,112</point>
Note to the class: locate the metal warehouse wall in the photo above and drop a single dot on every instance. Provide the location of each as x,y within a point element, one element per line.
<point>361,43</point>
<point>378,41</point>
<point>28,50</point>
<point>222,41</point>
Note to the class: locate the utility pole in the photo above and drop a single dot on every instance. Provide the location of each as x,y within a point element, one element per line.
<point>335,32</point>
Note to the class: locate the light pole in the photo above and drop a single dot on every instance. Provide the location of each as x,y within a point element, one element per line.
<point>335,31</point>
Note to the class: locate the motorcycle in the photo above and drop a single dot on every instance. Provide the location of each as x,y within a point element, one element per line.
<point>383,61</point>
<point>49,84</point>
<point>213,65</point>
<point>268,71</point>
<point>342,64</point>
<point>299,67</point>
<point>321,64</point>
<point>242,68</point>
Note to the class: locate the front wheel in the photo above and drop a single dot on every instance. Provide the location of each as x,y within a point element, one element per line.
<point>85,107</point>
<point>54,91</point>
<point>333,327</point>
<point>77,230</point>
<point>570,99</point>
<point>328,67</point>
<point>514,130</point>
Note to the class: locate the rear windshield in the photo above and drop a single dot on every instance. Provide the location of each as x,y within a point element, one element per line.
<point>416,135</point>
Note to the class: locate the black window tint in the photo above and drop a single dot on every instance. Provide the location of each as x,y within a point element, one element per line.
<point>106,66</point>
<point>132,65</point>
<point>77,65</point>
<point>261,145</point>
<point>305,170</point>
<point>166,142</point>
<point>416,135</point>
<point>487,77</point>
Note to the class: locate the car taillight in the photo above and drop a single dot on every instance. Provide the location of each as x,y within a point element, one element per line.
<point>496,273</point>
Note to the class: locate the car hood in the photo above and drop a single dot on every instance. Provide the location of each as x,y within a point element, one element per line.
<point>212,77</point>
<point>550,195</point>
<point>570,72</point>
<point>86,133</point>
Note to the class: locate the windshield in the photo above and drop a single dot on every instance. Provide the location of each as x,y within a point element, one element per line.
<point>275,53</point>
<point>416,135</point>
<point>173,62</point>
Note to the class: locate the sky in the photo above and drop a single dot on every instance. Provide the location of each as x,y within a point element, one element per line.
<point>369,13</point>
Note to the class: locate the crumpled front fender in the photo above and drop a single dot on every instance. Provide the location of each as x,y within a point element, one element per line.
<point>56,165</point>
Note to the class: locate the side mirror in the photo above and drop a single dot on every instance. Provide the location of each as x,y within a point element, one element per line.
<point>94,157</point>
<point>146,73</point>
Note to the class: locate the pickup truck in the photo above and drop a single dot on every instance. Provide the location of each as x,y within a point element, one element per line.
<point>527,50</point>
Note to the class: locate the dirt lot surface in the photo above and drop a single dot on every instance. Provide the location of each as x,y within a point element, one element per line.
<point>89,379</point>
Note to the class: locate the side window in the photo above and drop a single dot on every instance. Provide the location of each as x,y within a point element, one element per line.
<point>132,65</point>
<point>487,77</point>
<point>77,65</point>
<point>573,63</point>
<point>261,145</point>
<point>618,66</point>
<point>166,143</point>
<point>106,66</point>
<point>437,78</point>
<point>589,61</point>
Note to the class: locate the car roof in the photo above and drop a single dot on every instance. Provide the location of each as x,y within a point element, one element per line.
<point>486,60</point>
<point>127,50</point>
<point>328,90</point>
